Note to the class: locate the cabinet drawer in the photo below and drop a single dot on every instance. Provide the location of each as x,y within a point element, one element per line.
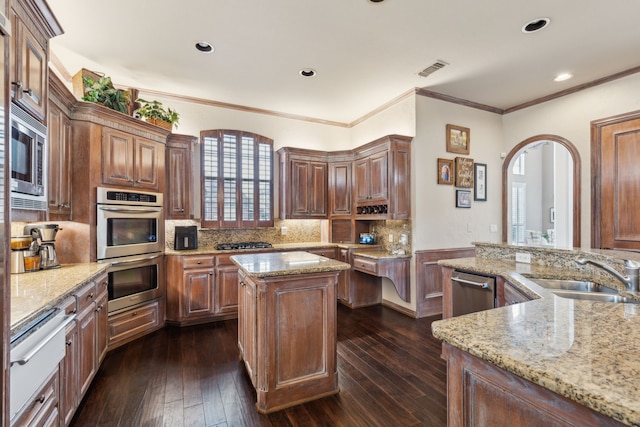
<point>134,321</point>
<point>197,261</point>
<point>366,265</point>
<point>224,260</point>
<point>42,407</point>
<point>69,305</point>
<point>86,296</point>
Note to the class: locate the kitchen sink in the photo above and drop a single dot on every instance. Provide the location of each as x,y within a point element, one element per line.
<point>583,290</point>
<point>573,285</point>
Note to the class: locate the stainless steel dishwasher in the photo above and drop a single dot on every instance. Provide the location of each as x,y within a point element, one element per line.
<point>471,293</point>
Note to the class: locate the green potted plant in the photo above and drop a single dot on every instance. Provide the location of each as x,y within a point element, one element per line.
<point>101,91</point>
<point>154,112</point>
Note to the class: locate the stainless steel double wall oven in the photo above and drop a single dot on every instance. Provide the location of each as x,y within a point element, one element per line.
<point>130,237</point>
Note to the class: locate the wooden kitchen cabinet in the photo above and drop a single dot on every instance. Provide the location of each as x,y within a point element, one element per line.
<point>93,335</point>
<point>179,176</point>
<point>68,367</point>
<point>59,182</point>
<point>190,288</point>
<point>226,286</point>
<point>131,161</point>
<point>382,178</point>
<point>357,289</point>
<point>340,194</point>
<point>481,394</point>
<point>507,294</point>
<point>133,322</point>
<point>287,337</point>
<point>394,268</point>
<point>303,183</point>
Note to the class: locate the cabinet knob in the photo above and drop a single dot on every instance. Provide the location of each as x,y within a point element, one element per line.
<point>28,91</point>
<point>242,284</point>
<point>68,343</point>
<point>135,313</point>
<point>41,399</point>
<point>18,84</point>
<point>199,262</point>
<point>90,295</point>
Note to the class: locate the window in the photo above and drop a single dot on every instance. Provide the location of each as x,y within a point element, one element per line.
<point>518,212</point>
<point>518,164</point>
<point>237,179</point>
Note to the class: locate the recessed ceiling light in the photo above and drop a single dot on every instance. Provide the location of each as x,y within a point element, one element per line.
<point>376,1</point>
<point>204,47</point>
<point>535,25</point>
<point>562,77</point>
<point>307,72</point>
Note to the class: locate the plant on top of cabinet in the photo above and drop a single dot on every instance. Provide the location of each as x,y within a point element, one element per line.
<point>101,91</point>
<point>155,113</point>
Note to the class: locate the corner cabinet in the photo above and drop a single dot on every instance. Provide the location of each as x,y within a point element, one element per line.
<point>382,179</point>
<point>303,183</point>
<point>179,176</point>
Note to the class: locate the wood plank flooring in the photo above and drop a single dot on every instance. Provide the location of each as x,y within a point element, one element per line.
<point>389,367</point>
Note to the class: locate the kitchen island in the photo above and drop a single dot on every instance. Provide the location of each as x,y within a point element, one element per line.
<point>549,361</point>
<point>287,322</point>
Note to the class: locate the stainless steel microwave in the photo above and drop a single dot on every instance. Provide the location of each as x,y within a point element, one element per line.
<point>28,158</point>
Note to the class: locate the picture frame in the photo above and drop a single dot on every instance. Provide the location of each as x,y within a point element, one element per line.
<point>463,198</point>
<point>445,171</point>
<point>464,172</point>
<point>458,139</point>
<point>480,182</point>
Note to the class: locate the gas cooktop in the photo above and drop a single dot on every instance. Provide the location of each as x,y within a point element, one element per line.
<point>242,245</point>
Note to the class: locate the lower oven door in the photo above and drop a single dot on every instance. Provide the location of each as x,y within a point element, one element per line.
<point>134,280</point>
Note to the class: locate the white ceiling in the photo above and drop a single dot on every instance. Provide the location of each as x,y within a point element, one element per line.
<point>365,53</point>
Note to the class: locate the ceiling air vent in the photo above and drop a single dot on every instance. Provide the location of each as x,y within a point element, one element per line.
<point>433,68</point>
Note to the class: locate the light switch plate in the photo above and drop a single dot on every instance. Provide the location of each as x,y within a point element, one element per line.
<point>522,257</point>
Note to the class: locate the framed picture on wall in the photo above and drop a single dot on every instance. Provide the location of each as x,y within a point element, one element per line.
<point>445,171</point>
<point>480,182</point>
<point>458,139</point>
<point>463,198</point>
<point>464,172</point>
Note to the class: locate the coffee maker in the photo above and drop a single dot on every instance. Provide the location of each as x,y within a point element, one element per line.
<point>45,234</point>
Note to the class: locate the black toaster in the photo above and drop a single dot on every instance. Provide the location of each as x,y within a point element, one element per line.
<point>186,238</point>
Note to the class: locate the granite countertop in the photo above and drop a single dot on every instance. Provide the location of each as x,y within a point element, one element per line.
<point>379,254</point>
<point>34,293</point>
<point>206,250</point>
<point>586,351</point>
<point>274,264</point>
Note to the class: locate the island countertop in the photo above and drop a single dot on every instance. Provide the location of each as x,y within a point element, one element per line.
<point>273,264</point>
<point>583,350</point>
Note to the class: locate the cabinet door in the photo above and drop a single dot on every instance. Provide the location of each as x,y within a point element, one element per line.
<point>147,156</point>
<point>318,190</point>
<point>59,127</point>
<point>361,169</point>
<point>69,374</point>
<point>247,328</point>
<point>226,298</point>
<point>340,189</point>
<point>117,157</point>
<point>87,331</point>
<point>179,173</point>
<point>309,189</point>
<point>102,327</point>
<point>30,88</point>
<point>344,277</point>
<point>198,292</point>
<point>378,164</point>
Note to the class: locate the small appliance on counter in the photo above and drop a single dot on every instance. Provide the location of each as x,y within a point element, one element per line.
<point>45,235</point>
<point>366,239</point>
<point>186,237</point>
<point>19,248</point>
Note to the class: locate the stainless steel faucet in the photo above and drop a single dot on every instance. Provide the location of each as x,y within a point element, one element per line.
<point>631,269</point>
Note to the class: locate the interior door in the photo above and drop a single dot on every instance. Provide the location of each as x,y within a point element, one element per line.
<point>616,175</point>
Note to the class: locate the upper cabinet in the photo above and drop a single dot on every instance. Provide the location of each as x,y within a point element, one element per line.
<point>131,161</point>
<point>303,183</point>
<point>340,185</point>
<point>382,178</point>
<point>179,174</point>
<point>33,25</point>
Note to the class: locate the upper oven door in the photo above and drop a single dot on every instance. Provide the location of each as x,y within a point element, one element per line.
<point>128,230</point>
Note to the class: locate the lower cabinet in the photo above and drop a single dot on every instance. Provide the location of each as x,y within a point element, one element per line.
<point>190,288</point>
<point>226,286</point>
<point>357,289</point>
<point>136,321</point>
<point>507,294</point>
<point>482,394</point>
<point>43,409</point>
<point>247,327</point>
<point>69,391</point>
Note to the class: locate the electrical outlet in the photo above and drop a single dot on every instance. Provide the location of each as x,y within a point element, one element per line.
<point>283,230</point>
<point>493,228</point>
<point>522,257</point>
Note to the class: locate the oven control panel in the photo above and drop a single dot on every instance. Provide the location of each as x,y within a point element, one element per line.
<point>121,197</point>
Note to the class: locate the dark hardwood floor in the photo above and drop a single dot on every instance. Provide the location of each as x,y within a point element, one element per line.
<point>389,367</point>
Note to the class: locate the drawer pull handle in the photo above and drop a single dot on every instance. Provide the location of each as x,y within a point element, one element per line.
<point>90,295</point>
<point>68,343</point>
<point>135,313</point>
<point>41,399</point>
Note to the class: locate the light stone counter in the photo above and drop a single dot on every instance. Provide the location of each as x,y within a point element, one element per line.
<point>274,264</point>
<point>206,250</point>
<point>34,293</point>
<point>583,350</point>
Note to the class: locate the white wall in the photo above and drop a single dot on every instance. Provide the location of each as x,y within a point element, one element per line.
<point>570,118</point>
